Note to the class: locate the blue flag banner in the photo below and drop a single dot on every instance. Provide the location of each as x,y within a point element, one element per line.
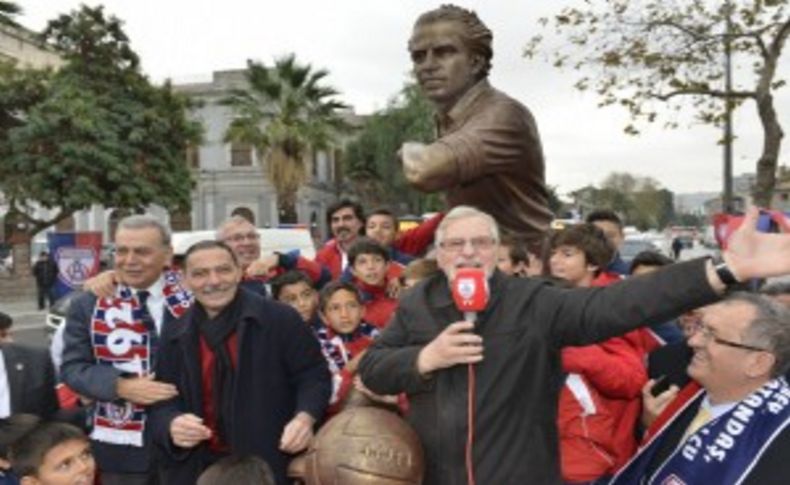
<point>77,256</point>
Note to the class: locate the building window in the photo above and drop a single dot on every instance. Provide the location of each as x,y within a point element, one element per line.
<point>193,156</point>
<point>240,154</point>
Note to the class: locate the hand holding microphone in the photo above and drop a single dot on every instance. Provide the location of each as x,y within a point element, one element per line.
<point>457,344</point>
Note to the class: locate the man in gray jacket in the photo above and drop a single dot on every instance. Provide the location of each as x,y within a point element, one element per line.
<point>512,351</point>
<point>110,344</point>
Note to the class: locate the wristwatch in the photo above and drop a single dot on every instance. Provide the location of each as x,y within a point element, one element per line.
<point>723,271</point>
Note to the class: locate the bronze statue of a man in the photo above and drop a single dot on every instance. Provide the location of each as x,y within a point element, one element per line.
<point>488,152</point>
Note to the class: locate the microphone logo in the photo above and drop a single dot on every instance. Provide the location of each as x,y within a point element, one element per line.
<point>466,289</point>
<point>470,290</point>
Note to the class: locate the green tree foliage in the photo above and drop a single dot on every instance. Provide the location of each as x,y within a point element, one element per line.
<point>286,112</point>
<point>94,132</point>
<point>556,205</point>
<point>371,160</point>
<point>9,10</point>
<point>660,57</point>
<point>640,201</point>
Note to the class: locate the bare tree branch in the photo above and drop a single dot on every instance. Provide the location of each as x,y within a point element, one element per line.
<point>704,92</point>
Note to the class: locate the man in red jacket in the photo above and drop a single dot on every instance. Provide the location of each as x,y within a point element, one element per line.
<point>346,221</point>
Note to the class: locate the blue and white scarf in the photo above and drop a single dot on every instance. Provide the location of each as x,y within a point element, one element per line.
<point>723,451</point>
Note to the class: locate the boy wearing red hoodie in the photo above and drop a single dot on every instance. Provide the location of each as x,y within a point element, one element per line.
<point>369,261</point>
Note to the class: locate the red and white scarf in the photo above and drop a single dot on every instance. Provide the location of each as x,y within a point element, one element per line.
<point>120,339</point>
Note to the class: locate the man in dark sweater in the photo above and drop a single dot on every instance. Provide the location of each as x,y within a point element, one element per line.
<point>514,346</point>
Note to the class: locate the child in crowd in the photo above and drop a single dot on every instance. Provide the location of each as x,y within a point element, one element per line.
<point>344,337</point>
<point>538,252</point>
<point>11,429</point>
<point>381,225</point>
<point>368,261</point>
<point>599,402</point>
<point>53,454</point>
<point>512,256</point>
<point>295,289</point>
<point>238,470</point>
<point>644,263</point>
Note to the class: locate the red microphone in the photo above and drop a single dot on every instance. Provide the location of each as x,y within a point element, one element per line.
<point>470,291</point>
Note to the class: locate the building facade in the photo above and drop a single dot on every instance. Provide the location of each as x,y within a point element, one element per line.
<point>229,177</point>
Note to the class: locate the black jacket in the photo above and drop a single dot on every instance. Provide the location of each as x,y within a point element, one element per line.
<point>517,384</point>
<point>45,271</point>
<point>280,371</point>
<point>31,380</point>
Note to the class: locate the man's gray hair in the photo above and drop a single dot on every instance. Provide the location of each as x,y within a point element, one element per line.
<point>770,328</point>
<point>219,234</point>
<point>466,212</point>
<point>144,221</point>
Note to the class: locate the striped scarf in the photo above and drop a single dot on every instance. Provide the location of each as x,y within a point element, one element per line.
<point>121,339</point>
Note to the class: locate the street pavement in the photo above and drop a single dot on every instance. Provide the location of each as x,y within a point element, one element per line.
<point>29,322</point>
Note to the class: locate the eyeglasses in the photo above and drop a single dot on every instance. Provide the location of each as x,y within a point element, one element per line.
<point>456,245</point>
<point>237,238</point>
<point>707,335</point>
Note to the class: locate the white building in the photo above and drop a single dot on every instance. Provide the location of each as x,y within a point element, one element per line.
<point>20,45</point>
<point>229,176</point>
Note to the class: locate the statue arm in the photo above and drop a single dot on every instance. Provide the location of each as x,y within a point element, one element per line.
<point>429,168</point>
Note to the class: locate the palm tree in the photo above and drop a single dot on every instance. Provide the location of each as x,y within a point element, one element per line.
<point>285,113</point>
<point>8,10</point>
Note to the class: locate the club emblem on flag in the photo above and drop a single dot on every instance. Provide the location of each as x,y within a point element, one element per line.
<point>75,264</point>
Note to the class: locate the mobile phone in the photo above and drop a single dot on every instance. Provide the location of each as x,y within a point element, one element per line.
<point>661,385</point>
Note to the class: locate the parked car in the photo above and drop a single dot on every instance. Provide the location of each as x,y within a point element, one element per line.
<point>632,247</point>
<point>56,316</point>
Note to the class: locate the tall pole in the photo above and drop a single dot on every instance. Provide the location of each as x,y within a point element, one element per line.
<point>727,202</point>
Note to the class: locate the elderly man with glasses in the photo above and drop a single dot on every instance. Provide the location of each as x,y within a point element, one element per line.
<point>730,425</point>
<point>483,395</point>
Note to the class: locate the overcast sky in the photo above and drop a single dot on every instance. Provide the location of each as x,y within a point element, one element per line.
<point>363,44</point>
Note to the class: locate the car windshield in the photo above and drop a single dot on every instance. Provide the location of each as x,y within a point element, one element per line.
<point>631,248</point>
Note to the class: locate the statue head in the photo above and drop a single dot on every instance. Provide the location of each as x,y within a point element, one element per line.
<point>451,51</point>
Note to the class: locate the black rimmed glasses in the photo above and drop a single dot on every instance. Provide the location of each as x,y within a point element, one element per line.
<point>707,334</point>
<point>457,244</point>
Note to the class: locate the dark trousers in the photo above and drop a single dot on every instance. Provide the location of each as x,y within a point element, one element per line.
<point>44,297</point>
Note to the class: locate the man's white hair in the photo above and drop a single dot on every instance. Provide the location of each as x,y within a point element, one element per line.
<point>466,212</point>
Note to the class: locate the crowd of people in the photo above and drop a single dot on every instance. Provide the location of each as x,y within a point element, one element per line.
<point>579,368</point>
<point>230,361</point>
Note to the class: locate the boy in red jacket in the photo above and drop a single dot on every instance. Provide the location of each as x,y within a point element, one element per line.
<point>369,261</point>
<point>599,401</point>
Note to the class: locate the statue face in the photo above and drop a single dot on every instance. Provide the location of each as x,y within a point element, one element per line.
<point>444,67</point>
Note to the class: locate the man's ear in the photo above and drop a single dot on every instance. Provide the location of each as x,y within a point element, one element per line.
<point>28,480</point>
<point>761,365</point>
